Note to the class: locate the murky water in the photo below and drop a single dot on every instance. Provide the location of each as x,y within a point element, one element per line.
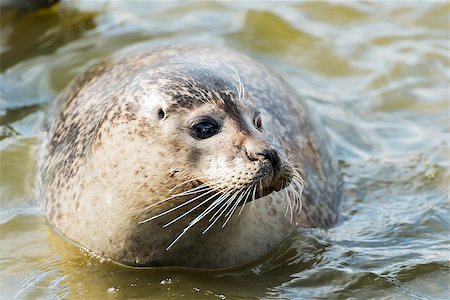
<point>377,74</point>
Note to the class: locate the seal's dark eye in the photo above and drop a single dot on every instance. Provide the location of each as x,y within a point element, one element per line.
<point>258,122</point>
<point>205,129</point>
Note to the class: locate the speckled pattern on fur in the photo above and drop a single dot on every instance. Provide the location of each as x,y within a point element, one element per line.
<point>106,157</point>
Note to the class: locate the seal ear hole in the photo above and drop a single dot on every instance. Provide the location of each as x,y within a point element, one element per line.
<point>258,122</point>
<point>161,114</point>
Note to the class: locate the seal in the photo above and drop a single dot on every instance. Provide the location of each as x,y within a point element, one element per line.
<point>188,156</point>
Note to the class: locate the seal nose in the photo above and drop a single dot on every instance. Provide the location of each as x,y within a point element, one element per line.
<point>272,156</point>
<point>269,154</point>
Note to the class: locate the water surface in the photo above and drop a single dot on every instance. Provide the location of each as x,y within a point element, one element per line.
<point>376,75</point>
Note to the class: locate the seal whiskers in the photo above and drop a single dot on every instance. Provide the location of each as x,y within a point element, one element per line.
<point>190,225</point>
<point>225,202</point>
<point>241,88</point>
<point>198,189</point>
<point>193,208</point>
<point>204,192</point>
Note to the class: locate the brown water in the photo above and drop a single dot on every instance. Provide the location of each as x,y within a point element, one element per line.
<point>377,74</point>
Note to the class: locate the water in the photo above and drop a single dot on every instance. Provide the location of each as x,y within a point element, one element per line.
<point>375,73</point>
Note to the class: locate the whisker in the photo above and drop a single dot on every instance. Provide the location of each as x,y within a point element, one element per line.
<point>260,189</point>
<point>179,206</point>
<point>177,238</point>
<point>211,207</point>
<point>228,202</point>
<point>254,195</point>
<point>245,196</point>
<point>216,202</point>
<point>191,210</point>
<point>231,211</point>
<point>296,201</point>
<point>236,202</point>
<point>238,90</point>
<point>290,208</point>
<point>299,195</point>
<point>287,202</point>
<point>241,89</point>
<point>222,210</point>
<point>201,188</point>
<point>192,223</point>
<point>294,194</point>
<point>198,189</point>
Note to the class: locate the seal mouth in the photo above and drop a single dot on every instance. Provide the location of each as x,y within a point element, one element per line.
<point>242,189</point>
<point>262,190</point>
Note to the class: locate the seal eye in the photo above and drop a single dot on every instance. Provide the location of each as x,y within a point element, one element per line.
<point>258,122</point>
<point>205,129</point>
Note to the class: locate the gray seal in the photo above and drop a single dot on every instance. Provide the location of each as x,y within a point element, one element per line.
<point>188,156</point>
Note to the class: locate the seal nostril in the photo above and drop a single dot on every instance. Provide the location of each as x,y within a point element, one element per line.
<point>269,154</point>
<point>252,156</point>
<point>273,157</point>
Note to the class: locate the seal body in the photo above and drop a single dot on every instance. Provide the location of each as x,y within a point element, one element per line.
<point>184,156</point>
